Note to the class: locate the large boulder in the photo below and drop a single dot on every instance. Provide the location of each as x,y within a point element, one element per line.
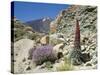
<point>56,38</point>
<point>22,63</point>
<point>44,40</point>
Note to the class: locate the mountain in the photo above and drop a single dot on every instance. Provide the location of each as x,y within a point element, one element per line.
<point>40,25</point>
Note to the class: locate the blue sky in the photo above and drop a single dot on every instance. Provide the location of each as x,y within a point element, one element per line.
<point>26,11</point>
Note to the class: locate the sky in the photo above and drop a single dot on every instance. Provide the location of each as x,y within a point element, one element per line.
<point>26,11</point>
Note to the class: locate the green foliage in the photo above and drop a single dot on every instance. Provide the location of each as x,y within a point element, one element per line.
<point>49,65</point>
<point>33,36</point>
<point>65,66</point>
<point>18,33</point>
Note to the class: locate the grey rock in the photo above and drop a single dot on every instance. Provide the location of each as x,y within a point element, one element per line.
<point>21,54</point>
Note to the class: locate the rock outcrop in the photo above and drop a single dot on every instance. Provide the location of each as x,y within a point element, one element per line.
<point>87,16</point>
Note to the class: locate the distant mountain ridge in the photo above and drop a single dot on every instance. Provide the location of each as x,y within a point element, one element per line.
<point>40,25</point>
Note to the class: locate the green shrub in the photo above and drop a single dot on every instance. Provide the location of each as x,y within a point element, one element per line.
<point>65,66</point>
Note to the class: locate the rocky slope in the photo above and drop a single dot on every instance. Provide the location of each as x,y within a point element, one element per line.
<point>20,30</point>
<point>86,15</point>
<point>65,25</point>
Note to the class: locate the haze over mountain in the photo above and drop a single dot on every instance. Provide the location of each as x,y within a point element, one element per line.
<point>40,25</point>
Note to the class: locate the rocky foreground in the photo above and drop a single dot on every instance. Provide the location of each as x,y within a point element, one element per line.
<point>61,40</point>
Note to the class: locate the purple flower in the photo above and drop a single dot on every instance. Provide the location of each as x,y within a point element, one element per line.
<point>43,53</point>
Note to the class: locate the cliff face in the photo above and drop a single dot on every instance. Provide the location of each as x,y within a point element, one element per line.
<point>87,17</point>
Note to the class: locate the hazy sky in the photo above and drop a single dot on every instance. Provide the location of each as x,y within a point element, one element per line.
<point>26,11</point>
